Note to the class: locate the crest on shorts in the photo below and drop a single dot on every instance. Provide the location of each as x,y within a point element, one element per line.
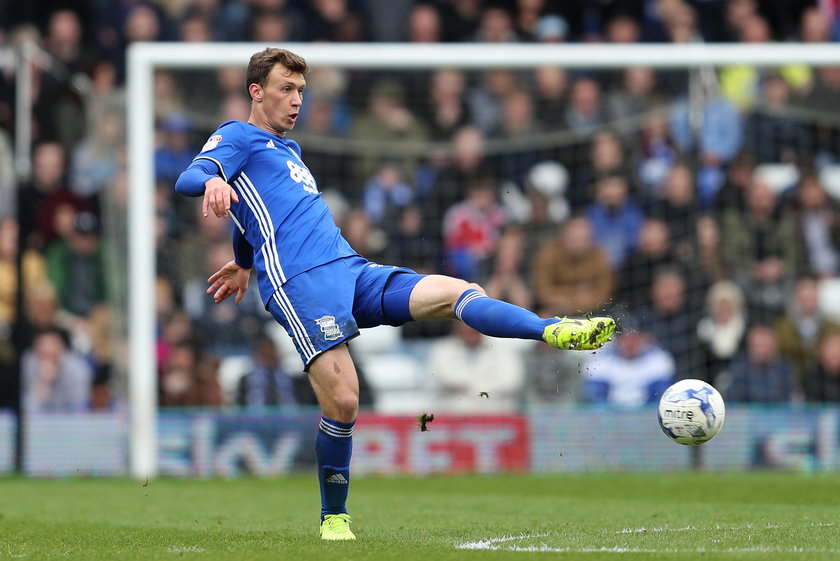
<point>329,327</point>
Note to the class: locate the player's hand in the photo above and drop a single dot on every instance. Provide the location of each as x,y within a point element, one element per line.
<point>217,197</point>
<point>230,279</point>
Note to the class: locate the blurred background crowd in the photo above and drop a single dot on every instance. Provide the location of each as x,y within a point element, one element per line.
<point>705,217</point>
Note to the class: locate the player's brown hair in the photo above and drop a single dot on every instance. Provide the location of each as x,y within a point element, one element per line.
<point>262,62</point>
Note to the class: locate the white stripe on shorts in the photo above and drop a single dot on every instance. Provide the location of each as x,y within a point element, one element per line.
<point>298,329</point>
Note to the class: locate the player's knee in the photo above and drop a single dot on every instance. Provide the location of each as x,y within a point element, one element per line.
<point>474,286</point>
<point>345,406</point>
<point>462,287</point>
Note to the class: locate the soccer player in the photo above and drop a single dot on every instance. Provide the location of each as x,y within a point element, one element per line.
<point>311,280</point>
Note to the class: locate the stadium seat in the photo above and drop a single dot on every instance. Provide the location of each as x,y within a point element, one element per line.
<point>388,372</point>
<point>397,381</point>
<point>376,340</point>
<point>778,177</point>
<point>829,294</point>
<point>830,179</point>
<point>403,402</point>
<point>231,369</point>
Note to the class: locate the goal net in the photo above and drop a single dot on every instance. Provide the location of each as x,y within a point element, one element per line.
<point>568,179</point>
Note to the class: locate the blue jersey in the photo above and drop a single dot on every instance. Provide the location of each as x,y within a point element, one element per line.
<point>280,211</point>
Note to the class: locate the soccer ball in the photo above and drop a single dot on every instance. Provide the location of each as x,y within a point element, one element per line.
<point>691,412</point>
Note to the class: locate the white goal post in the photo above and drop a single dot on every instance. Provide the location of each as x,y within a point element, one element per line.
<point>145,58</point>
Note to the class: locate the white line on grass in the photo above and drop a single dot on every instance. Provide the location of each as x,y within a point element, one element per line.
<point>491,543</point>
<point>503,543</point>
<point>184,549</point>
<point>656,529</point>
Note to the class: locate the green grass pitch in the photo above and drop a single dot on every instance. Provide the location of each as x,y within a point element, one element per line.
<point>681,516</point>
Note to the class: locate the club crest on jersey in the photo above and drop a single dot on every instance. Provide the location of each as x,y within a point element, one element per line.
<point>329,327</point>
<point>212,142</point>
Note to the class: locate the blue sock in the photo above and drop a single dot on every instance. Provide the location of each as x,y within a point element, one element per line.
<point>333,447</point>
<point>499,319</point>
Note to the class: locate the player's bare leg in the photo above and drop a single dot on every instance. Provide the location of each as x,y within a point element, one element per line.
<point>439,296</point>
<point>336,385</point>
<point>435,296</point>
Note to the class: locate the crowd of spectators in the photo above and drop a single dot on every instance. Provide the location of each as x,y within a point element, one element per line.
<point>566,192</point>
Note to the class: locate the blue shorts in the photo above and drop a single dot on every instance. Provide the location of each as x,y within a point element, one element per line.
<point>325,306</point>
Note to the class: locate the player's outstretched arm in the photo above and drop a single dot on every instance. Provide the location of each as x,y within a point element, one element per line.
<point>230,279</point>
<point>201,178</point>
<point>218,196</point>
<point>191,181</point>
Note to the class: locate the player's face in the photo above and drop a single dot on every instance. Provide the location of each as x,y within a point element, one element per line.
<point>282,98</point>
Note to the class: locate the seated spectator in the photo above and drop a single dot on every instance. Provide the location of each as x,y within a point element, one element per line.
<point>721,330</point>
<point>34,270</point>
<point>424,24</point>
<point>636,94</point>
<point>41,312</point>
<point>176,152</point>
<point>412,245</point>
<point>822,379</point>
<point>803,328</point>
<point>55,378</point>
<point>672,321</point>
<point>653,254</point>
<point>733,193</point>
<point>718,141</point>
<point>770,133</point>
<point>96,159</point>
<point>818,218</point>
<point>678,208</point>
<point>452,174</point>
<point>269,383</point>
<point>385,194</point>
<point>616,219</point>
<point>550,84</point>
<point>518,122</point>
<point>762,250</point>
<point>496,26</point>
<point>585,111</point>
<point>76,267</point>
<point>709,252</point>
<point>363,236</point>
<point>466,365</point>
<point>506,281</point>
<point>542,208</point>
<point>471,230</point>
<point>549,28</point>
<point>571,274</point>
<point>387,120</point>
<point>46,197</point>
<point>634,370</point>
<point>655,155</point>
<point>621,28</point>
<point>759,374</point>
<point>446,108</point>
<point>189,379</point>
<point>606,158</point>
<point>486,97</point>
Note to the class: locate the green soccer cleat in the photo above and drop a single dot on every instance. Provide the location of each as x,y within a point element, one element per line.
<point>336,527</point>
<point>584,334</point>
